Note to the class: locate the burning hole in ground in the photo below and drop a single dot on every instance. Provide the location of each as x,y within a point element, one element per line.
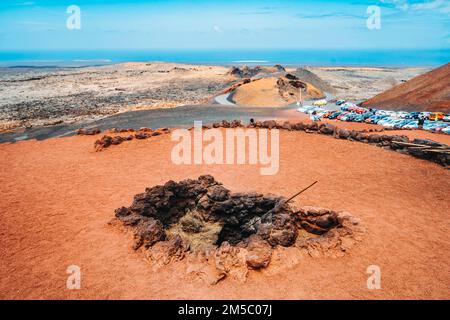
<point>203,217</point>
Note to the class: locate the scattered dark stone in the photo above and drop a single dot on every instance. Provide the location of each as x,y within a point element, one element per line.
<point>148,232</point>
<point>142,135</point>
<point>103,143</point>
<point>117,140</point>
<point>327,128</point>
<point>399,138</point>
<point>287,126</point>
<point>259,253</point>
<point>218,193</point>
<point>374,138</point>
<point>342,133</point>
<point>317,220</point>
<point>236,124</point>
<point>269,124</point>
<point>122,212</point>
<point>258,124</point>
<point>353,135</point>
<point>313,126</point>
<point>299,126</point>
<point>88,132</point>
<point>427,142</point>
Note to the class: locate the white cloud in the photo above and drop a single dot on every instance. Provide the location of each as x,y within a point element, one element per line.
<point>217,29</point>
<point>399,4</point>
<point>442,6</point>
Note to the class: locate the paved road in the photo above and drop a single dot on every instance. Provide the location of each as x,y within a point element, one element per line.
<point>174,118</point>
<point>223,99</point>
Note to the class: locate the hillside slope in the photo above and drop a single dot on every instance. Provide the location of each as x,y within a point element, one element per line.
<point>427,92</point>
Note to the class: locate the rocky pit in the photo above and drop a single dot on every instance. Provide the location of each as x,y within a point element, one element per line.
<point>201,217</point>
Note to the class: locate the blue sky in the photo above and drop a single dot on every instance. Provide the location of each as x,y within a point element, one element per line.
<point>231,24</point>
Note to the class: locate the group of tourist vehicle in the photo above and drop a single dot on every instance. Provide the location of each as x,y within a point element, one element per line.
<point>433,121</point>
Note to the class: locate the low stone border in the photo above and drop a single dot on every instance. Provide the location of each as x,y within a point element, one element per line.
<point>419,148</point>
<point>143,133</point>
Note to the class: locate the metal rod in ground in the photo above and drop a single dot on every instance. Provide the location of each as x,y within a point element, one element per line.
<point>279,205</point>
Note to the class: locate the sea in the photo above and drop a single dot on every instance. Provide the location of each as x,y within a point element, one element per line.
<point>286,57</point>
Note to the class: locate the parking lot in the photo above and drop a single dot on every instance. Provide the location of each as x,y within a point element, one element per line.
<point>437,122</point>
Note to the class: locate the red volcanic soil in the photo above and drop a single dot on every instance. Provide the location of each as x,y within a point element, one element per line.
<point>427,92</point>
<point>58,196</point>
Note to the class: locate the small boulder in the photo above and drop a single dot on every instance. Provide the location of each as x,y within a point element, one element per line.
<point>88,132</point>
<point>259,253</point>
<point>374,138</point>
<point>103,143</point>
<point>342,133</point>
<point>148,232</point>
<point>141,135</point>
<point>269,124</point>
<point>326,128</point>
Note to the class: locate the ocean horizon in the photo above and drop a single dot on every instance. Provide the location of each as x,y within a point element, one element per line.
<point>294,57</point>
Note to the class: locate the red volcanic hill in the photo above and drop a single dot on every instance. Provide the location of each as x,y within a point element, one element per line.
<point>427,92</point>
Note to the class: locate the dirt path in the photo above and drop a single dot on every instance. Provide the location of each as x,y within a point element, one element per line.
<point>58,196</point>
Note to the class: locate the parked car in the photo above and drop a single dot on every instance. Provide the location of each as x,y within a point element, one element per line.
<point>435,116</point>
<point>358,118</point>
<point>334,115</point>
<point>340,102</point>
<point>320,103</point>
<point>388,122</point>
<point>348,106</point>
<point>429,125</point>
<point>413,115</point>
<point>398,124</point>
<point>348,117</point>
<point>343,114</point>
<point>304,108</point>
<point>411,125</point>
<point>440,126</point>
<point>402,114</point>
<point>328,114</point>
<point>425,114</point>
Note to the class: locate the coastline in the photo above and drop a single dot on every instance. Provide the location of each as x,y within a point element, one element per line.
<point>291,57</point>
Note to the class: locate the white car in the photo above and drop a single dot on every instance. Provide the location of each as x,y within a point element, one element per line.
<point>383,113</point>
<point>304,108</point>
<point>402,114</point>
<point>411,125</point>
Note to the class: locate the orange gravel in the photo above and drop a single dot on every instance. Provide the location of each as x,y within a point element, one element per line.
<point>58,195</point>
